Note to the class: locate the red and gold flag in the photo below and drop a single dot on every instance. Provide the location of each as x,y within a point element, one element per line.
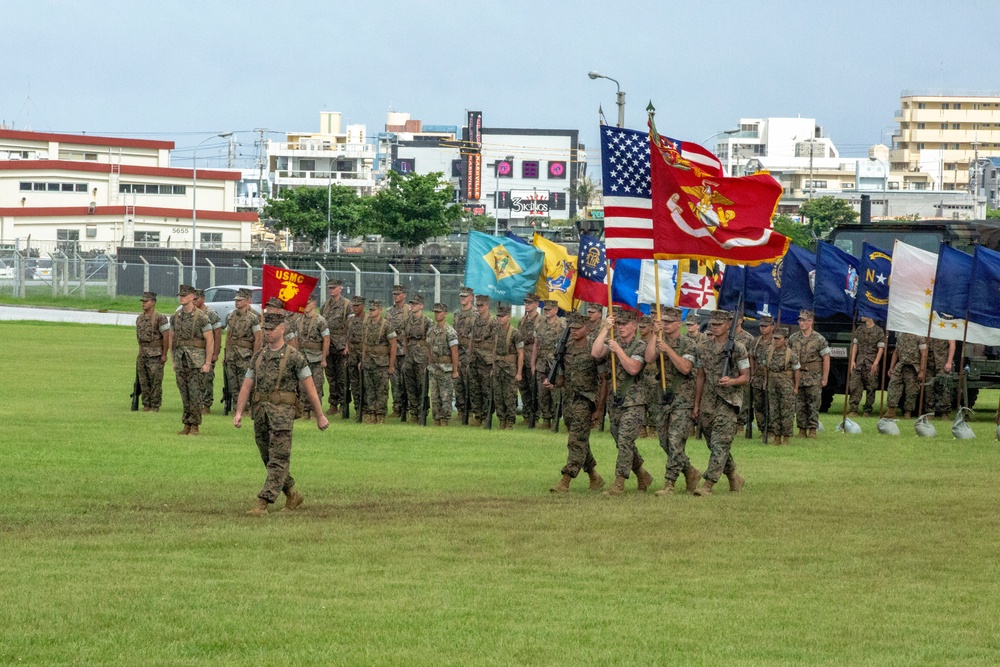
<point>290,286</point>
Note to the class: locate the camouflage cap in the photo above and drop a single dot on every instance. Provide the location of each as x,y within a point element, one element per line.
<point>313,297</point>
<point>417,300</point>
<point>148,296</point>
<point>670,314</point>
<point>550,303</point>
<point>594,307</point>
<point>693,317</point>
<point>481,299</point>
<point>374,303</point>
<point>503,310</point>
<point>466,291</point>
<point>625,316</point>
<point>780,332</point>
<point>531,298</point>
<point>440,308</point>
<point>398,289</point>
<point>185,290</point>
<point>357,300</point>
<point>765,321</point>
<point>334,282</point>
<point>576,320</point>
<point>645,321</point>
<point>243,293</point>
<point>806,314</point>
<point>721,317</point>
<point>272,320</point>
<point>275,302</point>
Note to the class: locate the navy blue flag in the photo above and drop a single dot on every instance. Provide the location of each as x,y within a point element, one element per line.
<point>797,271</point>
<point>762,289</point>
<point>873,295</point>
<point>984,292</point>
<point>951,293</point>
<point>733,283</point>
<point>836,282</point>
<point>514,237</point>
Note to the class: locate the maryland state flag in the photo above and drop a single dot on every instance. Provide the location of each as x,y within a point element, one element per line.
<point>698,285</point>
<point>558,278</point>
<point>290,286</point>
<point>700,214</point>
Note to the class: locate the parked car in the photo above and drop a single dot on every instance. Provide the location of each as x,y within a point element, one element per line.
<point>41,269</point>
<point>221,298</point>
<point>6,270</point>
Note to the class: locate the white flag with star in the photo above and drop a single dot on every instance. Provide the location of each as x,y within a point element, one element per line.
<point>911,289</point>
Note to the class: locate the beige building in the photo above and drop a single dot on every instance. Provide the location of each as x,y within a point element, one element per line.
<point>332,156</point>
<point>941,136</point>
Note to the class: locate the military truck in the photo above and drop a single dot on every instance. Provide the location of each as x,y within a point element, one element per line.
<point>983,364</point>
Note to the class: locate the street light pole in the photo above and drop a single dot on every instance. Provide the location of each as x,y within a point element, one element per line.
<point>720,133</point>
<point>329,202</point>
<point>620,94</point>
<point>194,207</point>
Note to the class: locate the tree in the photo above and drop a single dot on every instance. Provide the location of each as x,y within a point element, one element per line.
<point>993,213</point>
<point>304,212</point>
<point>586,193</point>
<point>825,213</point>
<point>796,231</point>
<point>412,208</point>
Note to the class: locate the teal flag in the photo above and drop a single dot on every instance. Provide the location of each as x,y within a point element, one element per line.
<point>501,268</point>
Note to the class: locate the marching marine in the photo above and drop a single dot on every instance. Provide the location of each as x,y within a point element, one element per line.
<point>396,316</point>
<point>508,359</point>
<point>152,330</point>
<point>442,371</point>
<point>543,354</point>
<point>526,327</point>
<point>462,321</point>
<point>782,368</point>
<point>355,343</point>
<point>866,355</point>
<point>758,357</point>
<point>650,381</point>
<point>336,310</point>
<point>940,359</point>
<point>313,336</point>
<point>208,388</point>
<point>378,359</point>
<point>414,334</point>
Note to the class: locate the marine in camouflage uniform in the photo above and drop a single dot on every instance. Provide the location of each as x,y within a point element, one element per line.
<point>543,355</point>
<point>718,399</point>
<point>650,381</point>
<point>758,354</point>
<point>314,343</point>
<point>208,379</point>
<point>579,382</point>
<point>940,358</point>
<point>152,330</point>
<point>396,316</point>
<point>442,370</point>
<point>747,339</point>
<point>277,374</point>
<point>481,362</point>
<point>783,370</point>
<point>192,344</point>
<point>526,327</point>
<point>814,357</point>
<point>336,309</point>
<point>869,346</point>
<point>242,340</point>
<point>595,316</point>
<point>628,406</point>
<point>906,373</point>
<point>414,334</point>
<point>462,321</point>
<point>508,359</point>
<point>355,339</point>
<point>378,341</point>
<point>676,400</point>
<point>692,328</point>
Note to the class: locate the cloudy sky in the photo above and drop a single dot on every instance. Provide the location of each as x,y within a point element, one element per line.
<point>183,70</point>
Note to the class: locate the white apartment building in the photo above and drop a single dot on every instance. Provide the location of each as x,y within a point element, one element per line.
<point>779,139</point>
<point>84,192</point>
<point>319,159</point>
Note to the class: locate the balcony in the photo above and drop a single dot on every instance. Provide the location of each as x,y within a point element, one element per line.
<point>320,149</point>
<point>318,179</point>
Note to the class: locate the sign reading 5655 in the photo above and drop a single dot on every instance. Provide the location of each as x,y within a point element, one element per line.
<point>180,230</point>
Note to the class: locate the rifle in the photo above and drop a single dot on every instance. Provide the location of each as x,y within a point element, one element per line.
<point>425,399</point>
<point>767,409</point>
<point>345,408</point>
<point>361,376</point>
<point>404,403</point>
<point>748,430</point>
<point>227,397</point>
<point>136,392</point>
<point>488,419</point>
<point>558,360</point>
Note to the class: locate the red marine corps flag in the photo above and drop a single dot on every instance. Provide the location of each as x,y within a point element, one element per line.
<point>700,214</point>
<point>291,287</point>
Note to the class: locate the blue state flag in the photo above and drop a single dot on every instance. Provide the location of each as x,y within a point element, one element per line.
<point>984,294</point>
<point>502,268</point>
<point>762,289</point>
<point>625,284</point>
<point>514,237</point>
<point>873,295</point>
<point>733,285</point>
<point>797,271</point>
<point>951,293</point>
<point>836,284</point>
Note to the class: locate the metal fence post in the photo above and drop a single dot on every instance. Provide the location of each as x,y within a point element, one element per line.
<point>357,280</point>
<point>112,277</point>
<point>82,271</point>
<point>54,272</point>
<point>322,281</point>
<point>18,274</point>
<point>211,272</point>
<point>283,264</point>
<point>437,284</point>
<point>65,274</point>
<point>249,273</point>
<point>145,274</point>
<point>180,274</point>
<point>395,275</point>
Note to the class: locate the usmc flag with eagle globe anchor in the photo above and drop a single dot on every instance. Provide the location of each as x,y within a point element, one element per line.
<point>290,286</point>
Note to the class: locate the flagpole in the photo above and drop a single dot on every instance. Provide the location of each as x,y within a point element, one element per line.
<point>850,365</point>
<point>656,279</point>
<point>885,360</point>
<point>611,330</point>
<point>965,332</point>
<point>930,323</point>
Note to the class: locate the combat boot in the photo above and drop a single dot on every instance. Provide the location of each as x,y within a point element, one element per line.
<point>786,440</point>
<point>691,476</point>
<point>206,411</point>
<point>908,414</point>
<point>852,413</point>
<point>293,500</point>
<point>596,481</point>
<point>547,423</point>
<point>563,485</point>
<point>667,490</point>
<point>644,478</point>
<point>157,410</point>
<point>617,489</point>
<point>444,422</point>
<point>475,421</point>
<point>333,410</point>
<point>185,430</point>
<point>146,409</point>
<point>811,433</point>
<point>260,509</point>
<point>736,482</point>
<point>379,419</point>
<point>395,412</point>
<point>802,433</point>
<point>705,489</point>
<point>890,413</point>
<point>194,430</point>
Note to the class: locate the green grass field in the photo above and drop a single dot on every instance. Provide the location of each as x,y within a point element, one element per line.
<point>124,544</point>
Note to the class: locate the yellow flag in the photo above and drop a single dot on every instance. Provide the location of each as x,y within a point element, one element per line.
<point>558,277</point>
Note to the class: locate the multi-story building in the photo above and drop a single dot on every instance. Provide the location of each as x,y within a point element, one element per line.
<point>776,138</point>
<point>319,159</point>
<point>942,134</point>
<point>85,192</point>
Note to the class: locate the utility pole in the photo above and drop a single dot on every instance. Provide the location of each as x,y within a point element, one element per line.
<point>259,163</point>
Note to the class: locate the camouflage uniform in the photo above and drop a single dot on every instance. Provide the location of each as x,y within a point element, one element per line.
<point>938,397</point>
<point>547,337</point>
<point>747,339</point>
<point>240,330</point>
<point>810,349</point>
<point>440,340</point>
<point>674,424</point>
<point>208,388</point>
<point>150,332</point>
<point>481,364</point>
<point>781,366</point>
<point>758,352</point>
<point>720,406</point>
<point>355,339</point>
<point>189,357</point>
<point>506,342</point>
<point>579,371</point>
<point>904,382</point>
<point>375,367</point>
<point>628,410</point>
<point>312,331</point>
<point>526,328</point>
<point>651,386</point>
<point>396,317</point>
<point>414,332</point>
<point>336,313</point>
<point>462,322</point>
<point>868,340</point>
<point>274,404</point>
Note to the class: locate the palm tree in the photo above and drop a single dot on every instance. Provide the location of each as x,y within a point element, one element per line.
<point>587,192</point>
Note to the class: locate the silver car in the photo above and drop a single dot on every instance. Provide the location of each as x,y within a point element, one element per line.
<point>221,298</point>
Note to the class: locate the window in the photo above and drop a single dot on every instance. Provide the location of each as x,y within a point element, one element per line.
<point>921,105</point>
<point>25,186</point>
<point>957,105</point>
<point>147,239</point>
<point>921,126</point>
<point>152,188</point>
<point>893,185</point>
<point>211,240</point>
<point>954,126</point>
<point>920,146</point>
<point>345,165</point>
<point>529,169</point>
<point>179,189</point>
<point>848,186</point>
<point>52,187</point>
<point>945,105</point>
<point>68,240</point>
<point>954,147</point>
<point>816,184</point>
<point>307,165</point>
<point>557,169</point>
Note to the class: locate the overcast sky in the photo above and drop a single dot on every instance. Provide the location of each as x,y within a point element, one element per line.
<point>183,70</point>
